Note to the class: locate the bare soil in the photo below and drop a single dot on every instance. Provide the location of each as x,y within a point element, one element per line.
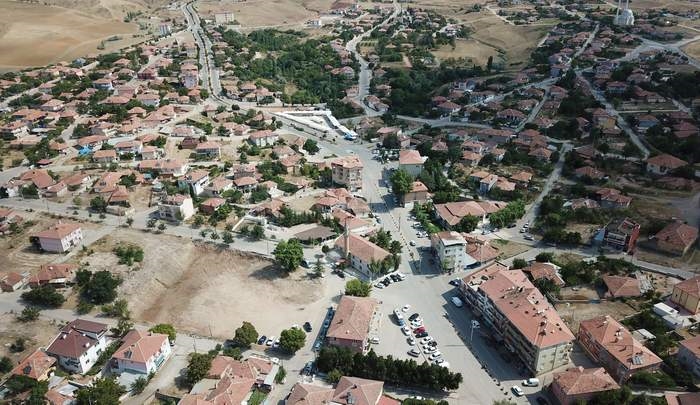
<point>36,334</point>
<point>574,313</point>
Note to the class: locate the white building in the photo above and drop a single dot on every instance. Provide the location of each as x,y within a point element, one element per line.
<point>451,250</point>
<point>176,208</point>
<point>263,138</point>
<point>361,253</point>
<point>412,162</point>
<point>195,181</point>
<point>624,16</point>
<point>79,345</point>
<point>141,353</point>
<point>59,238</point>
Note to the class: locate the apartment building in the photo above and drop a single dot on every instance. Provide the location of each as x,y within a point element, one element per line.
<point>519,317</point>
<point>609,343</point>
<point>621,234</point>
<point>689,354</point>
<point>347,171</point>
<point>450,247</point>
<point>687,294</point>
<point>79,345</point>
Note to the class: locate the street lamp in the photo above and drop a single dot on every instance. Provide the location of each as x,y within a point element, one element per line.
<point>475,325</point>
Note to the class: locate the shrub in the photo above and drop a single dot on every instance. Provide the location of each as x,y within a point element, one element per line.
<point>44,296</point>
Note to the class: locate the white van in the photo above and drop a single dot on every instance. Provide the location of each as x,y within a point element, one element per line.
<point>531,382</point>
<point>458,303</point>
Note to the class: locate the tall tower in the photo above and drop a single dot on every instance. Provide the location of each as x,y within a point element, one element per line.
<point>625,17</point>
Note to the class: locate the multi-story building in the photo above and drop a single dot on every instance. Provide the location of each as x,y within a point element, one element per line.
<point>579,385</point>
<point>347,171</point>
<point>519,317</point>
<point>412,162</point>
<point>59,238</point>
<point>176,208</point>
<point>687,294</point>
<point>689,354</point>
<point>195,181</point>
<point>450,247</point>
<point>609,343</point>
<point>79,345</point>
<point>361,253</point>
<point>621,234</point>
<point>140,353</point>
<point>352,322</point>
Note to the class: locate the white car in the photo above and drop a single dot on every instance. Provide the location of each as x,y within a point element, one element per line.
<point>439,360</point>
<point>531,382</point>
<point>270,341</point>
<point>517,391</point>
<point>414,352</point>
<point>412,243</point>
<point>427,339</point>
<point>406,330</point>
<point>406,308</point>
<point>379,286</point>
<point>435,355</point>
<point>411,341</point>
<point>430,349</point>
<point>458,303</point>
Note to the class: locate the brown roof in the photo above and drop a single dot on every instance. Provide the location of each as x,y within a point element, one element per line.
<point>72,342</point>
<point>690,286</point>
<point>688,398</point>
<point>362,248</point>
<point>619,342</point>
<point>692,344</point>
<point>362,391</point>
<point>352,318</point>
<point>58,231</point>
<point>348,162</point>
<point>678,234</point>
<point>139,347</point>
<point>667,160</point>
<point>410,157</point>
<point>309,394</point>
<point>544,270</point>
<point>39,177</point>
<point>619,286</point>
<point>49,272</point>
<point>35,365</point>
<point>104,153</point>
<point>579,380</point>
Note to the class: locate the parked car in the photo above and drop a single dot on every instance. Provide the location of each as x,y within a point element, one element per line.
<point>327,323</point>
<point>531,382</point>
<point>411,341</point>
<point>517,391</point>
<point>262,340</point>
<point>419,330</point>
<point>439,360</point>
<point>416,324</point>
<point>414,352</point>
<point>307,327</point>
<point>542,401</point>
<point>413,316</point>
<point>529,237</point>
<point>455,282</point>
<point>427,339</point>
<point>308,368</point>
<point>406,330</point>
<point>374,340</point>
<point>270,341</point>
<point>458,303</point>
<point>429,349</point>
<point>435,355</point>
<point>421,334</point>
<point>412,243</point>
<point>379,285</point>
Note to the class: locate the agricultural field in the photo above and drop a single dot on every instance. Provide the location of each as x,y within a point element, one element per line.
<point>265,13</point>
<point>693,49</point>
<point>37,34</point>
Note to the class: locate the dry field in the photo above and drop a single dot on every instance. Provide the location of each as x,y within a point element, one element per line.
<point>35,34</point>
<point>573,314</point>
<point>471,50</point>
<point>16,252</point>
<point>693,49</point>
<point>264,13</point>
<point>204,289</point>
<point>36,334</point>
<point>508,249</point>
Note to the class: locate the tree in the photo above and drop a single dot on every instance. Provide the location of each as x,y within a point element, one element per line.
<point>292,339</point>
<point>544,257</point>
<point>129,221</point>
<point>139,385</point>
<point>401,183</point>
<point>258,232</point>
<point>357,288</point>
<point>289,254</point>
<point>161,227</point>
<point>318,268</point>
<point>123,326</point>
<point>489,63</point>
<point>6,365</point>
<point>467,224</point>
<point>98,204</point>
<point>118,309</point>
<point>197,367</point>
<point>28,314</point>
<point>151,223</point>
<point>519,263</point>
<point>44,296</point>
<point>165,329</point>
<point>101,288</point>
<point>246,335</point>
<point>311,146</point>
<point>334,376</point>
<point>227,237</point>
<point>104,391</point>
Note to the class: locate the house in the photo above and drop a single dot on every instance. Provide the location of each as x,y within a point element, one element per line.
<point>646,121</point>
<point>140,353</point>
<point>510,115</point>
<point>470,158</point>
<point>419,193</point>
<point>519,317</point>
<point>450,249</point>
<point>412,162</point>
<point>128,147</point>
<point>541,154</point>
<point>589,172</point>
<point>689,354</point>
<point>245,184</point>
<point>361,253</point>
<point>79,344</point>
<point>613,198</point>
<point>544,271</point>
<point>211,205</point>
<point>621,287</point>
<point>610,344</point>
<point>37,366</point>
<point>56,275</point>
<point>351,323</point>
<point>676,238</point>
<point>621,234</point>
<point>687,294</point>
<point>77,182</point>
<point>12,281</point>
<point>449,214</point>
<point>104,156</point>
<point>349,390</point>
<point>347,171</point>
<point>150,153</point>
<point>448,108</point>
<point>688,398</point>
<point>263,138</point>
<point>664,164</point>
<point>579,385</point>
<point>218,187</point>
<point>195,181</point>
<point>59,238</point>
<point>176,208</point>
<point>209,149</point>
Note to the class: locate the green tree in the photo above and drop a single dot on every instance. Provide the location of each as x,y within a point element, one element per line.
<point>104,391</point>
<point>519,263</point>
<point>123,326</point>
<point>139,385</point>
<point>292,339</point>
<point>198,220</point>
<point>357,288</point>
<point>101,288</point>
<point>6,365</point>
<point>334,376</point>
<point>281,373</point>
<point>227,237</point>
<point>117,309</point>
<point>197,367</point>
<point>401,183</point>
<point>289,254</point>
<point>467,224</point>
<point>28,314</point>
<point>318,268</point>
<point>311,146</point>
<point>98,204</point>
<point>246,335</point>
<point>161,227</point>
<point>258,232</point>
<point>44,296</point>
<point>165,329</point>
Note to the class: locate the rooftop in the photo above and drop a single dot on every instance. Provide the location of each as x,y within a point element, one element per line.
<point>352,318</point>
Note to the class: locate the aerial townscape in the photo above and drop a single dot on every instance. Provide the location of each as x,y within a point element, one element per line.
<point>349,202</point>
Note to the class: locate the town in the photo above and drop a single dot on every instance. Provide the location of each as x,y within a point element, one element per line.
<point>353,203</point>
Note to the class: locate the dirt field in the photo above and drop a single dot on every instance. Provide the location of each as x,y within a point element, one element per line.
<point>508,249</point>
<point>16,252</point>
<point>573,314</point>
<point>37,333</point>
<point>35,34</point>
<point>262,13</point>
<point>471,50</point>
<point>693,49</point>
<point>205,290</point>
